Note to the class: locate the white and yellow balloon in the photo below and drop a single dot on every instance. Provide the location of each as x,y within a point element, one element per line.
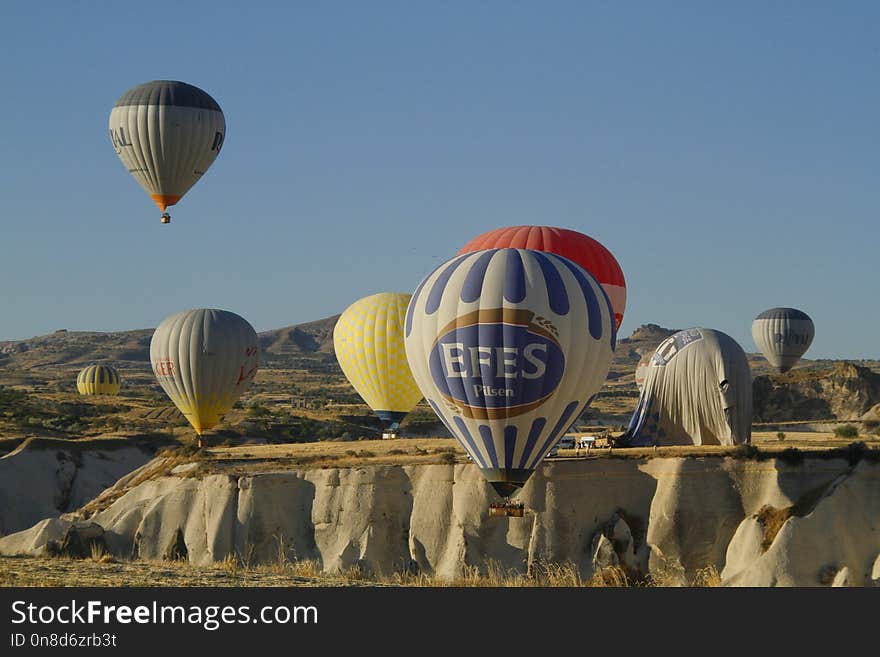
<point>204,359</point>
<point>509,346</point>
<point>167,133</point>
<point>368,341</point>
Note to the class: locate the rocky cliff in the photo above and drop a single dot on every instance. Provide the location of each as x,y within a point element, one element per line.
<point>758,522</point>
<point>847,392</point>
<point>43,477</point>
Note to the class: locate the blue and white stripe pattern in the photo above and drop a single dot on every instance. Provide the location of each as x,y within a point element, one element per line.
<point>509,347</point>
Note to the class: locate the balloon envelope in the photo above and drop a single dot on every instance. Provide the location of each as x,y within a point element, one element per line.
<point>166,133</point>
<point>584,250</point>
<point>204,359</point>
<point>509,346</point>
<point>783,335</point>
<point>98,380</point>
<point>697,391</point>
<point>642,370</point>
<point>368,341</point>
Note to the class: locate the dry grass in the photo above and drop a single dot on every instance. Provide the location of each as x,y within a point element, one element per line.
<point>65,572</point>
<point>99,554</point>
<point>250,459</point>
<point>104,571</point>
<point>772,520</point>
<point>611,577</point>
<point>266,458</point>
<point>707,577</point>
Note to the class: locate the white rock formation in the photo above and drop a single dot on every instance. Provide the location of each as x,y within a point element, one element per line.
<point>832,537</point>
<point>42,478</point>
<point>673,516</point>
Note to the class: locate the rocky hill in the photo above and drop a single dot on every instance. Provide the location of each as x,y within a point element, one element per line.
<point>299,361</point>
<point>644,340</point>
<point>79,348</point>
<point>847,392</point>
<point>65,347</point>
<point>301,346</point>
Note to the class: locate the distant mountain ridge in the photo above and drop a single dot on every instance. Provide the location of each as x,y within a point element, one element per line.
<point>69,348</point>
<point>313,338</point>
<point>819,390</point>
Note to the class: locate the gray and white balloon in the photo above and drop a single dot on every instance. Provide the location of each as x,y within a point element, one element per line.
<point>783,335</point>
<point>204,359</point>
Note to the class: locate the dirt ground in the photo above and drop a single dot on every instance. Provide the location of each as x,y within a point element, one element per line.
<point>413,451</point>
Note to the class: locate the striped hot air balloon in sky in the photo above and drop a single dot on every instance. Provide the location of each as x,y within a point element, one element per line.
<point>204,359</point>
<point>98,380</point>
<point>167,134</point>
<point>368,341</point>
<point>580,248</point>
<point>509,346</point>
<point>783,335</point>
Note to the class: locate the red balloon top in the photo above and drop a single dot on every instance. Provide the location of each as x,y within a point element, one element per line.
<point>577,247</point>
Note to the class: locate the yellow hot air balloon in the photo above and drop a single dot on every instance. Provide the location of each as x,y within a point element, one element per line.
<point>368,340</point>
<point>98,380</point>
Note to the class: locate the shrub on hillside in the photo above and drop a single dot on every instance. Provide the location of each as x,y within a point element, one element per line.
<point>846,431</point>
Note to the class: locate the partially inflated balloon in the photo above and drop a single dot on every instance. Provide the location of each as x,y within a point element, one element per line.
<point>167,134</point>
<point>579,248</point>
<point>509,346</point>
<point>204,359</point>
<point>368,340</point>
<point>98,380</point>
<point>642,370</point>
<point>783,335</point>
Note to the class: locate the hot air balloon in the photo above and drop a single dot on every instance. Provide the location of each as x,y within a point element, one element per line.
<point>783,335</point>
<point>579,248</point>
<point>167,134</point>
<point>509,346</point>
<point>98,380</point>
<point>204,359</point>
<point>368,340</point>
<point>698,391</point>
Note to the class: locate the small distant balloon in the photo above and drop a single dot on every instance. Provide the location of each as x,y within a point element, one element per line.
<point>166,133</point>
<point>783,335</point>
<point>98,380</point>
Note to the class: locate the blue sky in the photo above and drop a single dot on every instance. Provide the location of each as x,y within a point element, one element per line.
<point>726,153</point>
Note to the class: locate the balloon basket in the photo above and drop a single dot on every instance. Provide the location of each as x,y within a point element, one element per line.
<point>166,218</point>
<point>507,509</point>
